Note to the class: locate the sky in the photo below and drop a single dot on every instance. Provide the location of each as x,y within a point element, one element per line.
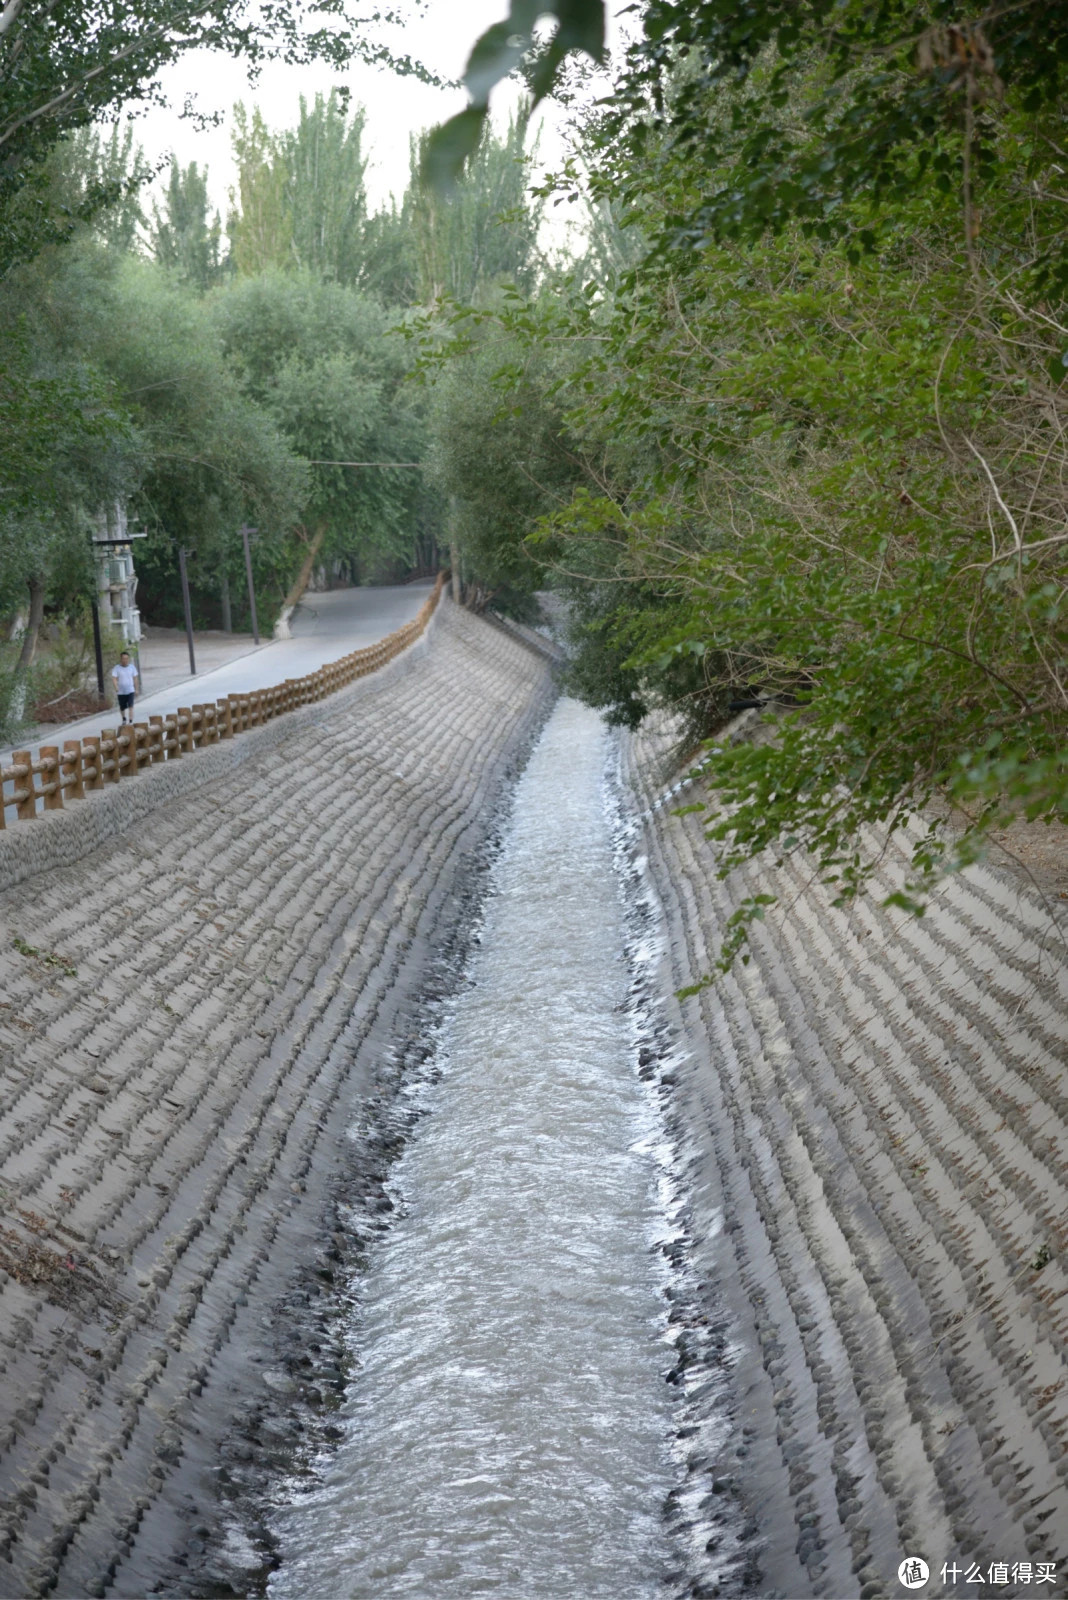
<point>440,33</point>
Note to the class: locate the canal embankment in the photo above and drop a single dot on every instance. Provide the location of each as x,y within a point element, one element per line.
<point>272,1050</point>
<point>193,1012</point>
<point>872,1114</point>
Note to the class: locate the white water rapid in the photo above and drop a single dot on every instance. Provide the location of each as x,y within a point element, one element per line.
<point>508,1430</point>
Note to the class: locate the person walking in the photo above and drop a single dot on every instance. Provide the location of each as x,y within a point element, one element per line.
<point>127,681</point>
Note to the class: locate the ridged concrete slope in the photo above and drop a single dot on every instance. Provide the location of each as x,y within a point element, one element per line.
<point>174,1108</point>
<point>875,1112</point>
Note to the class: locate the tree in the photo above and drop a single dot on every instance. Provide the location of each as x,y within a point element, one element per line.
<point>64,450</point>
<point>301,198</point>
<point>823,466</point>
<point>501,461</point>
<point>484,228</point>
<point>389,267</point>
<point>66,64</point>
<point>318,358</point>
<point>210,457</point>
<point>261,224</point>
<point>835,103</point>
<point>327,198</point>
<point>185,239</point>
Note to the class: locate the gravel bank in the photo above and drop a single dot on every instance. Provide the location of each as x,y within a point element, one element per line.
<point>873,1114</point>
<point>198,1008</point>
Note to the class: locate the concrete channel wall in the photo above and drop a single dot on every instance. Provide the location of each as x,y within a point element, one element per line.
<point>202,974</point>
<point>91,768</point>
<point>873,1115</point>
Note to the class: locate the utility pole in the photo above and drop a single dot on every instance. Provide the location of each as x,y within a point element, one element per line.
<point>99,649</point>
<point>245,532</point>
<point>454,553</point>
<point>188,609</point>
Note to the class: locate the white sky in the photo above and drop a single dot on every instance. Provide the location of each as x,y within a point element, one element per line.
<point>440,34</point>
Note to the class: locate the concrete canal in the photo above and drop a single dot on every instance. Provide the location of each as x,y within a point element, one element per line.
<point>508,1430</point>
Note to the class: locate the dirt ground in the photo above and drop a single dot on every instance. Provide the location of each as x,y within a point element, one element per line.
<point>1036,853</point>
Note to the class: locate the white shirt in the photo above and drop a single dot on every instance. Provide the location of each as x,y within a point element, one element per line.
<point>124,677</point>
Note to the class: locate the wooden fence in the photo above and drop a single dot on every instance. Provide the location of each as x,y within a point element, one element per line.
<point>55,776</point>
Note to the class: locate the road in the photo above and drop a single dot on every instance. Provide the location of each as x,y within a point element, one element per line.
<point>324,627</point>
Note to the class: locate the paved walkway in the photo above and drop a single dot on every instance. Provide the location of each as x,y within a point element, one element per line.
<point>324,627</point>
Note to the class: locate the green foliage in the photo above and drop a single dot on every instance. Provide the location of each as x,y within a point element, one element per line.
<point>483,229</point>
<point>499,459</point>
<point>69,63</point>
<point>318,359</point>
<point>580,26</point>
<point>185,239</point>
<point>124,394</point>
<point>327,196</point>
<point>301,192</point>
<point>818,432</point>
<point>261,228</point>
<point>64,447</point>
<point>47,958</point>
<point>301,205</point>
<point>796,114</point>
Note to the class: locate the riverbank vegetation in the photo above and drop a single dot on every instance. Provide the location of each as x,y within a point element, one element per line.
<point>814,405</point>
<point>208,373</point>
<point>788,431</point>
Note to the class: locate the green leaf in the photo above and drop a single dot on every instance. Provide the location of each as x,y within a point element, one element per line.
<point>497,53</point>
<point>450,147</point>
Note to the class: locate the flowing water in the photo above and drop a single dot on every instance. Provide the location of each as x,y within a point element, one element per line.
<point>508,1429</point>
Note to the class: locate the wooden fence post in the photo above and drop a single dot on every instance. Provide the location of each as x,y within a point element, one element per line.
<point>91,744</point>
<point>72,768</point>
<point>125,746</point>
<point>25,798</point>
<point>109,755</point>
<point>139,747</point>
<point>184,729</point>
<point>48,761</point>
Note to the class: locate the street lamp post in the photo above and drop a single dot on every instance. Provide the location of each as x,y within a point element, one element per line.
<point>246,531</point>
<point>188,609</point>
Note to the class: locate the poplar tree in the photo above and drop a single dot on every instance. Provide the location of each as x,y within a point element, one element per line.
<point>186,236</point>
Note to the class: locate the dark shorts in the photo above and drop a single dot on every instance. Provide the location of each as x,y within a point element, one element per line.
<point>126,702</point>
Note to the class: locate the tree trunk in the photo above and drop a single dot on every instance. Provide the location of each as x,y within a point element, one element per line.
<point>454,563</point>
<point>224,597</point>
<point>33,626</point>
<point>16,706</point>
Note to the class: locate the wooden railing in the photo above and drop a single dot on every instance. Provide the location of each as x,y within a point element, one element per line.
<point>55,776</point>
